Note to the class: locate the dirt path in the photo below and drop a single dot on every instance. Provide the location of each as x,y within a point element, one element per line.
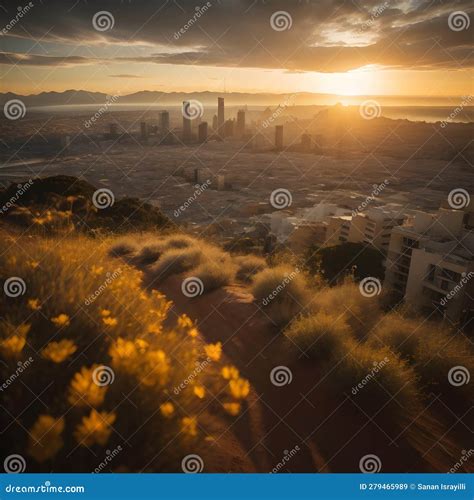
<point>304,421</point>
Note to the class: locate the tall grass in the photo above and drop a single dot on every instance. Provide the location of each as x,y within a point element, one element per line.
<point>82,310</point>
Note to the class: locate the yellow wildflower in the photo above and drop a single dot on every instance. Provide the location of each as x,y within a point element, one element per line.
<point>167,409</point>
<point>239,388</point>
<point>95,428</point>
<point>105,312</point>
<point>155,368</point>
<point>199,391</point>
<point>189,426</point>
<point>97,269</point>
<point>185,321</point>
<point>109,321</point>
<point>34,304</point>
<point>13,345</point>
<point>229,372</point>
<point>33,264</point>
<point>193,332</point>
<point>83,391</point>
<point>59,351</point>
<point>214,351</point>
<point>45,438</point>
<point>232,408</point>
<point>61,320</point>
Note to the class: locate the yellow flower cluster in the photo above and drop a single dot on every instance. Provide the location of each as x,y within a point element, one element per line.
<point>11,346</point>
<point>45,438</point>
<point>83,391</point>
<point>95,429</point>
<point>59,351</point>
<point>61,320</point>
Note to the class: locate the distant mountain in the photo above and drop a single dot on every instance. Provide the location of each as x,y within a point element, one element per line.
<point>78,97</point>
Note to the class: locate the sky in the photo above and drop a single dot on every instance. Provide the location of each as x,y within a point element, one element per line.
<point>398,47</point>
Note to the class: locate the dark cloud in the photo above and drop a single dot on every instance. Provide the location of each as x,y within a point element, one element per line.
<point>325,35</point>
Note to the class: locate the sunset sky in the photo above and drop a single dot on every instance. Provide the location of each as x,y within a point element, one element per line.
<point>399,47</point>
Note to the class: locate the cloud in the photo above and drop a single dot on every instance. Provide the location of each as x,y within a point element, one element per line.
<point>325,35</point>
<point>127,76</point>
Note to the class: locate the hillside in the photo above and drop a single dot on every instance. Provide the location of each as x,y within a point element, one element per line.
<point>162,342</point>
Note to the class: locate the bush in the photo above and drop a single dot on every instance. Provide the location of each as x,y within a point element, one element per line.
<point>282,291</point>
<point>85,334</point>
<point>361,312</point>
<point>321,336</point>
<point>248,266</point>
<point>175,261</point>
<point>388,386</point>
<point>214,275</point>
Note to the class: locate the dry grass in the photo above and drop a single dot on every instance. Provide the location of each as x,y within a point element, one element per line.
<point>282,291</point>
<point>321,336</point>
<point>82,309</point>
<point>248,266</point>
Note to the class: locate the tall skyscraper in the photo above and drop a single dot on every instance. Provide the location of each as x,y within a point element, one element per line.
<point>240,123</point>
<point>186,122</point>
<point>220,114</point>
<point>164,122</point>
<point>279,137</point>
<point>214,123</point>
<point>202,132</point>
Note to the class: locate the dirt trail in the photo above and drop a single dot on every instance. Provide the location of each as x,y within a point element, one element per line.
<point>326,431</point>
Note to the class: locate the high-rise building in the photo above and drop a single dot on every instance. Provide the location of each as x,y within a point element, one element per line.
<point>228,130</point>
<point>214,123</point>
<point>143,130</point>
<point>164,122</point>
<point>202,132</point>
<point>430,264</point>
<point>220,114</point>
<point>279,137</point>
<point>187,134</point>
<point>240,123</point>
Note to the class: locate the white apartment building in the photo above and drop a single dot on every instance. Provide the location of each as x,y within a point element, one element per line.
<point>372,227</point>
<point>430,263</point>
